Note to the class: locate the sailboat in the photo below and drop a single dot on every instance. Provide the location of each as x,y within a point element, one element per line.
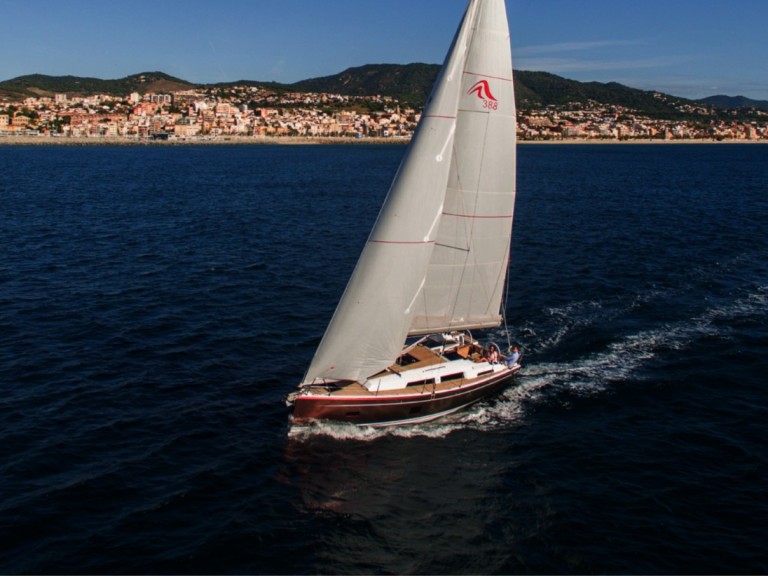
<point>399,348</point>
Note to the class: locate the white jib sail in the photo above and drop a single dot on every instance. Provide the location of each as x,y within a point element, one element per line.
<point>374,315</point>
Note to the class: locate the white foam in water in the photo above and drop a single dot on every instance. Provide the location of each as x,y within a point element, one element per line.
<point>572,315</point>
<point>346,431</point>
<point>622,358</point>
<point>586,376</point>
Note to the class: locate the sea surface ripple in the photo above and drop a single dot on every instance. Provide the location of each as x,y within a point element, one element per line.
<point>157,304</point>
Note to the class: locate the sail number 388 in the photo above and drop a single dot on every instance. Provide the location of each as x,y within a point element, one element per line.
<point>490,104</point>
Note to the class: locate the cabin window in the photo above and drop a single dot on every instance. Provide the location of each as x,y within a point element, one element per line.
<point>449,377</point>
<point>353,414</point>
<point>427,382</point>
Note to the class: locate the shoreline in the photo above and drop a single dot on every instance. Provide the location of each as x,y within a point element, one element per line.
<point>217,141</point>
<point>305,140</point>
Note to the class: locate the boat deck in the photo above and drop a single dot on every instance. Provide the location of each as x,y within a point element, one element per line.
<point>357,389</point>
<point>423,357</point>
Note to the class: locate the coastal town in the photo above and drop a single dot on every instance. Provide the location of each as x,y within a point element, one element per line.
<point>252,113</point>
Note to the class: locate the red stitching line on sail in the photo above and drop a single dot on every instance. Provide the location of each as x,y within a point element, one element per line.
<point>403,241</point>
<point>502,78</point>
<point>475,215</point>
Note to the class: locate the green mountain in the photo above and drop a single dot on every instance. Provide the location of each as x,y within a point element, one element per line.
<point>42,85</point>
<point>536,89</point>
<point>408,83</point>
<point>412,83</point>
<point>734,102</point>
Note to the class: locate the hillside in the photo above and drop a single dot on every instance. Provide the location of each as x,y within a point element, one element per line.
<point>42,85</point>
<point>733,102</point>
<point>412,83</point>
<point>536,89</point>
<point>409,83</point>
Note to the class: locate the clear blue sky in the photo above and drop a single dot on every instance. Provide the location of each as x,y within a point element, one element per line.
<point>691,48</point>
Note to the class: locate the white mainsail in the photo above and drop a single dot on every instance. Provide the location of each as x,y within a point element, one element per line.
<point>436,212</point>
<point>465,282</point>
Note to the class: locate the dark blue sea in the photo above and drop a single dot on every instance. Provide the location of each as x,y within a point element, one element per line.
<point>157,303</point>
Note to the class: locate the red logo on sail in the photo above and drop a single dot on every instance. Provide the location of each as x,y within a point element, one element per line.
<point>482,90</point>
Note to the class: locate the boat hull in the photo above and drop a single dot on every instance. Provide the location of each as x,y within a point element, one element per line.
<point>396,409</point>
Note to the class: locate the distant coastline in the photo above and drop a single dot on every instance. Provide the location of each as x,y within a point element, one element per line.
<point>42,140</point>
<point>152,107</point>
<point>204,141</point>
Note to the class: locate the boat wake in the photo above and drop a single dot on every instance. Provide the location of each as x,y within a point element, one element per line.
<point>620,361</point>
